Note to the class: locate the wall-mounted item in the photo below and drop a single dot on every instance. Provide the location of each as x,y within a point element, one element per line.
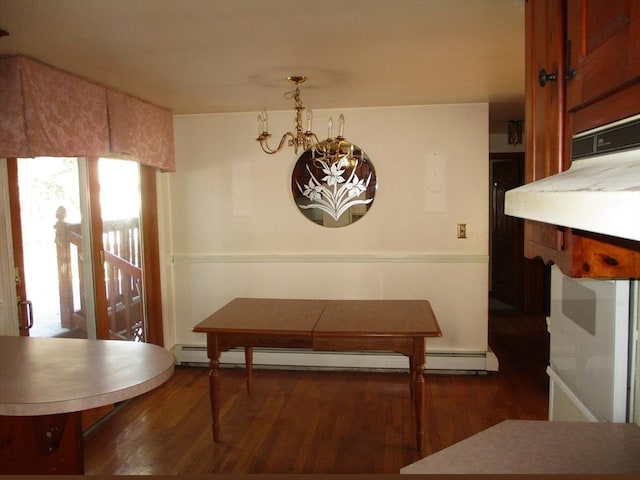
<point>514,133</point>
<point>336,188</point>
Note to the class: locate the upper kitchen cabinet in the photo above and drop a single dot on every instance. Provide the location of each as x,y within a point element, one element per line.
<point>603,58</point>
<point>582,71</point>
<point>544,107</point>
<point>544,114</point>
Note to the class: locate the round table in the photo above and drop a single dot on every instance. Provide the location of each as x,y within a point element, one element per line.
<point>46,382</point>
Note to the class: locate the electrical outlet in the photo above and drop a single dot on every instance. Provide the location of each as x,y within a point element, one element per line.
<point>462,230</point>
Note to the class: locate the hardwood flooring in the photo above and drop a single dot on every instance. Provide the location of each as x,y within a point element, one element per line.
<point>320,422</point>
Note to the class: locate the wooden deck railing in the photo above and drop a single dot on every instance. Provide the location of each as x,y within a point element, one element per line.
<point>123,276</point>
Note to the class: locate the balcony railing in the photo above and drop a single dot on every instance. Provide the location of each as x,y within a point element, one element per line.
<point>123,276</point>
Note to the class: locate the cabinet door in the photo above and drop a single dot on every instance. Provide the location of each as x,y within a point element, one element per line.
<point>544,112</point>
<point>544,107</point>
<point>604,39</point>
<point>601,41</point>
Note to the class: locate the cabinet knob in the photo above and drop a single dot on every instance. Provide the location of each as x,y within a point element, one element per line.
<point>544,77</point>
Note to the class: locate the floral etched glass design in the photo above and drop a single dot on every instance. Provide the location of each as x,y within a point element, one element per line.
<point>336,190</point>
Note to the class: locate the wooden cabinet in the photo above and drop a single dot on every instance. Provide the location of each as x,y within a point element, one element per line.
<point>544,114</point>
<point>603,49</point>
<point>582,71</point>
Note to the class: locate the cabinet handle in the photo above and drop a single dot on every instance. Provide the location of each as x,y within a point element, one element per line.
<point>544,77</point>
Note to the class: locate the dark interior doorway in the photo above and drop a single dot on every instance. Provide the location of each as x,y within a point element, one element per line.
<point>513,279</point>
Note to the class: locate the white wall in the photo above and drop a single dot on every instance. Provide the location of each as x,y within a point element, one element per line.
<point>234,230</point>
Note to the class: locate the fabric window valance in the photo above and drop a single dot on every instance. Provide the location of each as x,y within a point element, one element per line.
<point>48,112</point>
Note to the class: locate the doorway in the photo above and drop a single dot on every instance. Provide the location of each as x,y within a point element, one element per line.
<point>514,280</point>
<point>77,242</point>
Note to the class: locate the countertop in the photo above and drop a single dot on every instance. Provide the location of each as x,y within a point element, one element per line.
<point>539,447</point>
<point>45,376</point>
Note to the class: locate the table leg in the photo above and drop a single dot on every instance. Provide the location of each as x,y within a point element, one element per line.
<point>214,393</point>
<point>248,361</point>
<point>411,376</point>
<point>419,390</point>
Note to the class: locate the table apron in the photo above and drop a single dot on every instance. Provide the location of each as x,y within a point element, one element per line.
<point>220,342</point>
<point>405,345</point>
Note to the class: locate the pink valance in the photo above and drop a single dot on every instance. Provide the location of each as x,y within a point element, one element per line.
<point>47,112</point>
<point>13,135</point>
<point>140,130</point>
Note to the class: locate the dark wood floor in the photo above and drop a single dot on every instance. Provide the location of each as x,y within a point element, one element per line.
<point>320,422</point>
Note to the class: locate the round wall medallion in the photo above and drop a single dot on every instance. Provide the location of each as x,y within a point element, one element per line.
<point>334,190</point>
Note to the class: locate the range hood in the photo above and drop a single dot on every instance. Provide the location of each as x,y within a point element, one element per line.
<point>599,193</point>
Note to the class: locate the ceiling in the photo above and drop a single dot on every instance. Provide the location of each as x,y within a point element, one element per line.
<point>202,56</point>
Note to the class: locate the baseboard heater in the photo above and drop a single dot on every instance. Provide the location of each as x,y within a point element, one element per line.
<point>196,355</point>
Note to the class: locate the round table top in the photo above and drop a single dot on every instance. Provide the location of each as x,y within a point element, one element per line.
<point>43,376</point>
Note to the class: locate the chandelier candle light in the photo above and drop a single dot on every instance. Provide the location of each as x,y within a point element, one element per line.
<point>332,149</point>
<point>333,181</point>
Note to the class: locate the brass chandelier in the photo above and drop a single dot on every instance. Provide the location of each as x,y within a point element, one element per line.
<point>333,149</point>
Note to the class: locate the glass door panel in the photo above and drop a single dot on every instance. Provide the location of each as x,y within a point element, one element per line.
<point>122,243</point>
<point>56,281</point>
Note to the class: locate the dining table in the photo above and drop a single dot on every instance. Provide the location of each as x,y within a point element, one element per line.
<point>45,384</point>
<point>399,326</point>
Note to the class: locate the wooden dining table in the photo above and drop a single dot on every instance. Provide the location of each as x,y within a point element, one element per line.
<point>399,326</point>
<point>45,384</point>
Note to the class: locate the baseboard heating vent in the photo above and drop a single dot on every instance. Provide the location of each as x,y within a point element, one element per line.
<point>305,358</point>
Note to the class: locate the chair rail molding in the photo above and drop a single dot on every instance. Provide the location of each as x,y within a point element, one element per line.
<point>329,258</point>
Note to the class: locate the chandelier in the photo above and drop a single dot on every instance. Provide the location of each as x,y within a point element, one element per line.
<point>333,149</point>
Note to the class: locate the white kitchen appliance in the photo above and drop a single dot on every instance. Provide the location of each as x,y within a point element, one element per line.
<point>593,365</point>
<point>592,326</point>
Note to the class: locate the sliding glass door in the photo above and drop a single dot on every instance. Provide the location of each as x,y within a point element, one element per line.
<point>119,182</point>
<point>79,249</point>
<point>50,241</point>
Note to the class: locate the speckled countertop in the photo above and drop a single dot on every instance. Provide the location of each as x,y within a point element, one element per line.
<point>47,376</point>
<point>539,447</point>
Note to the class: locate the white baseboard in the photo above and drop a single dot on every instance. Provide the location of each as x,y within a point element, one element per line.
<point>303,358</point>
